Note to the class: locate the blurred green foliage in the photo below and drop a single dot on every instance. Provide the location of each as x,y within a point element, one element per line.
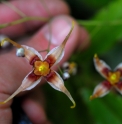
<point>103,20</point>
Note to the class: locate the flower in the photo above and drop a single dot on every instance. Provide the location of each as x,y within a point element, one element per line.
<point>112,78</point>
<point>41,68</point>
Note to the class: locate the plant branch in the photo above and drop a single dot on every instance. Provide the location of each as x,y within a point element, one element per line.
<point>25,19</point>
<point>99,23</point>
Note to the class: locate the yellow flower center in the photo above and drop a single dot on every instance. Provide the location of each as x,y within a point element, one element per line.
<point>41,68</point>
<point>114,77</point>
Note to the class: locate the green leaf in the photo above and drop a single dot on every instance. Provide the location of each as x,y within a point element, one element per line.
<point>108,28</point>
<point>103,110</point>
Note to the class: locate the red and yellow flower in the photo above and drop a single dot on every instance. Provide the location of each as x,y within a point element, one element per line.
<point>113,78</point>
<point>42,68</point>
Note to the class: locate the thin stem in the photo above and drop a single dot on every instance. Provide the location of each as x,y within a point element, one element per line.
<point>89,22</point>
<point>46,8</point>
<point>99,23</point>
<point>25,19</point>
<point>94,31</point>
<point>14,8</point>
<point>49,14</point>
<point>50,37</point>
<point>60,70</point>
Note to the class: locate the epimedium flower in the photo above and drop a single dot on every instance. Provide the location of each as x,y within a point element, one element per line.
<point>113,78</point>
<point>41,67</point>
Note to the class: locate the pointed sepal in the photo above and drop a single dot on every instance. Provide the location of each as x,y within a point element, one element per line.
<point>57,53</point>
<point>101,66</point>
<point>101,90</point>
<point>57,83</point>
<point>31,54</point>
<point>29,82</point>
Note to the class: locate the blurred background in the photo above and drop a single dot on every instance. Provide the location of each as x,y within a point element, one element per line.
<point>103,20</point>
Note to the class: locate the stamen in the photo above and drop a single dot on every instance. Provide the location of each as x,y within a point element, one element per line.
<point>41,68</point>
<point>114,77</point>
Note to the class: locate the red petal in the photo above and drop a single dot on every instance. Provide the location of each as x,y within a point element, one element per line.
<point>119,68</point>
<point>31,54</point>
<point>30,81</point>
<point>118,87</point>
<point>50,59</point>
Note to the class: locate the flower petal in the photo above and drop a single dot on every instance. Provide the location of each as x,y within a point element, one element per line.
<point>118,87</point>
<point>57,53</point>
<point>101,66</point>
<point>119,68</point>
<point>57,83</point>
<point>31,54</point>
<point>29,82</point>
<point>101,90</point>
